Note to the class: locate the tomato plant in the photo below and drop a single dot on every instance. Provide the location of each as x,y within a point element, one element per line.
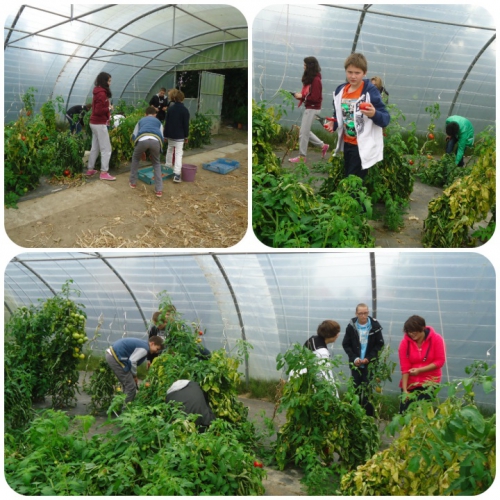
<point>317,421</point>
<point>44,340</point>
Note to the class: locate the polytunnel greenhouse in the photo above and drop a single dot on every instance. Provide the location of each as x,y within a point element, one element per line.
<point>78,80</point>
<point>392,105</point>
<point>424,54</point>
<point>239,324</point>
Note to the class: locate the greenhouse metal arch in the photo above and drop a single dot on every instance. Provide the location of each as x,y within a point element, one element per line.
<point>272,300</point>
<point>126,41</point>
<point>425,54</point>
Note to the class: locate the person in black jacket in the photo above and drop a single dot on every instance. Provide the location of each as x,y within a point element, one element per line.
<point>75,116</point>
<point>362,342</point>
<point>160,103</point>
<point>176,131</point>
<point>194,401</point>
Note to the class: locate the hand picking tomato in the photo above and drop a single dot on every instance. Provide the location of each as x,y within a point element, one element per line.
<point>365,105</point>
<point>431,137</point>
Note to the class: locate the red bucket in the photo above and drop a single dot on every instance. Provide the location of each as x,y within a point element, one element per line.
<point>188,172</point>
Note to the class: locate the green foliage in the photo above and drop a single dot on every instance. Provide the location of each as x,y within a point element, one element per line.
<point>101,387</point>
<point>466,202</point>
<point>288,214</point>
<point>199,131</point>
<point>121,137</point>
<point>44,343</point>
<point>155,451</point>
<point>441,449</point>
<point>318,422</point>
<point>442,172</point>
<point>265,128</point>
<point>154,448</point>
<point>33,148</point>
<point>66,151</point>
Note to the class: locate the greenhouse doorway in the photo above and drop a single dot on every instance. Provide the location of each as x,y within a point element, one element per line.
<point>210,95</point>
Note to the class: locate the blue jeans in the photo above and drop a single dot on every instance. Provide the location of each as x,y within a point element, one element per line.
<point>450,146</point>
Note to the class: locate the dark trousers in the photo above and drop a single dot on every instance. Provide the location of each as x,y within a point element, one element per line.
<point>360,378</point>
<point>352,162</point>
<point>421,396</point>
<point>450,146</point>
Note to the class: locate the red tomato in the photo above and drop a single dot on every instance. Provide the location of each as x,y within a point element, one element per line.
<point>431,137</point>
<point>411,162</point>
<point>28,113</point>
<point>67,173</point>
<point>430,157</point>
<point>365,105</point>
<point>23,138</point>
<point>258,464</point>
<point>200,333</point>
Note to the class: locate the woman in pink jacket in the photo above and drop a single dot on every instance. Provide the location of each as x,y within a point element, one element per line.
<point>99,121</point>
<point>422,354</point>
<point>312,97</point>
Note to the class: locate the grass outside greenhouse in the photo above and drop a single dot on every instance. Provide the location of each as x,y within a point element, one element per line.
<point>444,446</point>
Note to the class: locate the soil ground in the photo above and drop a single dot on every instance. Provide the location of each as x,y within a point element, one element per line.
<point>410,236</point>
<point>277,483</point>
<point>211,212</point>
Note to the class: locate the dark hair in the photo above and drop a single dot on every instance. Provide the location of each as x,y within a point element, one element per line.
<point>163,89</point>
<point>102,81</point>
<point>358,61</point>
<point>414,324</point>
<point>156,340</point>
<point>328,329</point>
<point>167,310</point>
<point>452,129</point>
<point>151,110</point>
<point>312,69</point>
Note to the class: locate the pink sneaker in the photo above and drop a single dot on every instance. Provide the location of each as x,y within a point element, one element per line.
<point>106,177</point>
<point>159,194</point>
<point>297,159</point>
<point>324,149</point>
<point>91,172</point>
<point>133,186</point>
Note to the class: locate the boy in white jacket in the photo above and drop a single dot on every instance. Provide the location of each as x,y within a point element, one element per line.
<point>359,116</point>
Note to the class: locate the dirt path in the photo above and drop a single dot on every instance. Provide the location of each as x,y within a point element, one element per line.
<point>211,212</point>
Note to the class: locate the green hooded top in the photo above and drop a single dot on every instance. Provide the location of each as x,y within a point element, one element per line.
<point>465,135</point>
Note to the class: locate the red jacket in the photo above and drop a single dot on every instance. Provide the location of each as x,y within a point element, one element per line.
<point>431,351</point>
<point>100,107</point>
<point>312,94</point>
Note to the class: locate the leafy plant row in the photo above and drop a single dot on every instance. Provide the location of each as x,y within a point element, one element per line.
<point>37,145</point>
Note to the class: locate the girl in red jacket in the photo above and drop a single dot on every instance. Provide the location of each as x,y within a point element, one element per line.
<point>312,97</point>
<point>421,356</point>
<point>99,121</point>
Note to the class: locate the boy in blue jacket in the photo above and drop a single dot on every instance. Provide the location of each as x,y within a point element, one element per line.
<point>176,131</point>
<point>148,136</point>
<point>125,355</point>
<point>360,116</point>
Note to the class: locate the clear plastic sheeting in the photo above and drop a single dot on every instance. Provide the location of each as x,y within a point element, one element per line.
<point>60,49</point>
<point>425,54</point>
<point>273,300</point>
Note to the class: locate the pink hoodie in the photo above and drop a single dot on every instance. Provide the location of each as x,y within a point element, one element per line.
<point>431,351</point>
